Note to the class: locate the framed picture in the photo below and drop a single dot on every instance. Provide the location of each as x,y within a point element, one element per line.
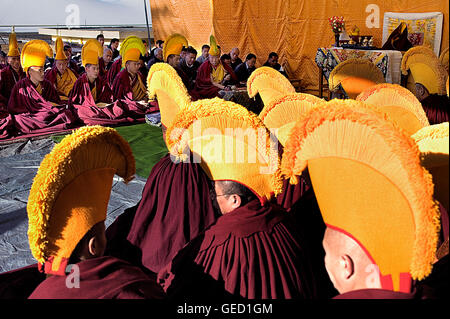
<point>423,28</point>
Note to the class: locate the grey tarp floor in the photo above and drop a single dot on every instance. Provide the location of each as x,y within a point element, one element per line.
<point>19,163</point>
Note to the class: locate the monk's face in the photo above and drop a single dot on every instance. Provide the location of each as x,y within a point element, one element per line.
<point>61,65</point>
<point>227,61</point>
<point>92,71</point>
<point>205,52</point>
<point>36,74</point>
<point>14,62</point>
<point>133,67</point>
<point>214,60</point>
<point>251,63</point>
<point>159,54</point>
<point>273,60</point>
<point>234,54</point>
<point>190,58</point>
<point>107,56</point>
<point>101,40</point>
<point>174,61</point>
<point>223,202</point>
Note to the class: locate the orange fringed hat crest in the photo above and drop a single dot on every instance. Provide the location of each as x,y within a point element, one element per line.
<point>173,45</point>
<point>433,142</point>
<point>370,185</point>
<point>399,103</point>
<point>90,52</point>
<point>71,190</point>
<point>280,115</point>
<point>230,142</point>
<point>34,53</point>
<point>131,49</point>
<point>355,75</point>
<point>164,83</point>
<point>269,83</point>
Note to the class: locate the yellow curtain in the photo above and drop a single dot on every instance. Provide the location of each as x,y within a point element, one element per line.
<point>292,28</point>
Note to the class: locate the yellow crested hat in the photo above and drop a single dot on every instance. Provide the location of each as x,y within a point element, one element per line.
<point>425,68</point>
<point>13,45</point>
<point>444,59</point>
<point>71,190</point>
<point>370,185</point>
<point>164,83</point>
<point>355,75</point>
<point>230,143</point>
<point>34,53</point>
<point>91,51</point>
<point>213,47</point>
<point>59,49</point>
<point>399,103</point>
<point>131,49</point>
<point>269,83</point>
<point>280,115</point>
<point>433,144</point>
<point>173,45</point>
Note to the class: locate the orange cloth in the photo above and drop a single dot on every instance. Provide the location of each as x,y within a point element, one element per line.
<point>139,89</point>
<point>64,83</point>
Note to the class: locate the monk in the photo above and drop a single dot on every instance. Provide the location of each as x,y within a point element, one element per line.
<point>61,76</point>
<point>373,249</point>
<point>254,250</point>
<point>72,63</point>
<point>210,76</point>
<point>92,97</point>
<point>129,83</point>
<point>81,170</point>
<point>34,101</point>
<point>103,62</point>
<point>11,73</point>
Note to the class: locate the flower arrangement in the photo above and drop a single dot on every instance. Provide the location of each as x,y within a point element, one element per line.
<point>337,24</point>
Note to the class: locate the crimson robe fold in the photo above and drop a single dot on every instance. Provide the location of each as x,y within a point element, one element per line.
<point>254,252</point>
<point>436,108</point>
<point>101,278</point>
<point>204,89</point>
<point>122,86</point>
<point>115,68</point>
<point>102,72</point>
<point>34,112</point>
<point>376,294</point>
<point>84,102</point>
<point>175,207</point>
<point>8,78</point>
<point>7,129</point>
<point>20,283</point>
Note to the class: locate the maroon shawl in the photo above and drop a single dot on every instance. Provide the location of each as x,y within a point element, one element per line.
<point>51,75</point>
<point>102,72</point>
<point>20,283</point>
<point>114,70</point>
<point>119,112</point>
<point>175,207</point>
<point>8,78</point>
<point>254,252</point>
<point>375,294</point>
<point>122,86</point>
<point>102,278</point>
<point>33,112</point>
<point>204,89</point>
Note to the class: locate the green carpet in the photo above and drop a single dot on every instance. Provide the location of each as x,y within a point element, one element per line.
<point>146,142</point>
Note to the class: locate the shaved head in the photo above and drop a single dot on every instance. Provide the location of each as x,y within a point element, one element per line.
<point>347,264</point>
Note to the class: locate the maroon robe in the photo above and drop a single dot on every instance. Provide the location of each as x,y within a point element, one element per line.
<point>34,113</point>
<point>436,107</point>
<point>253,252</point>
<point>20,283</point>
<point>114,70</point>
<point>8,78</point>
<point>122,86</point>
<point>204,89</point>
<point>376,294</point>
<point>175,208</point>
<point>82,100</point>
<point>102,72</point>
<point>51,75</point>
<point>102,278</point>
<point>7,129</point>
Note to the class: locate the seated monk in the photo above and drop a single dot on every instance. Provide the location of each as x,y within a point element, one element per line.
<point>11,73</point>
<point>72,63</point>
<point>129,83</point>
<point>103,63</point>
<point>67,208</point>
<point>254,250</point>
<point>429,77</point>
<point>172,50</point>
<point>61,75</point>
<point>211,74</point>
<point>34,102</point>
<point>91,95</point>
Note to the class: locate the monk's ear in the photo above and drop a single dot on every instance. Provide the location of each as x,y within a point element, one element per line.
<point>93,246</point>
<point>347,267</point>
<point>235,201</point>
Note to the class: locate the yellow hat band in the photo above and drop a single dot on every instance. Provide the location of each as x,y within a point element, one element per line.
<point>132,54</point>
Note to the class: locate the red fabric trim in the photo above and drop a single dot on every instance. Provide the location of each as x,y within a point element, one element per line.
<point>386,282</point>
<point>405,282</point>
<point>61,270</point>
